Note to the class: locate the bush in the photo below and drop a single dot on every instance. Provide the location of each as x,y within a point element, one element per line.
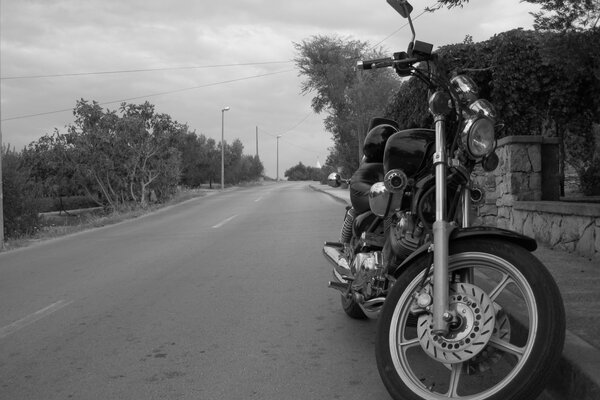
<point>21,210</point>
<point>590,179</point>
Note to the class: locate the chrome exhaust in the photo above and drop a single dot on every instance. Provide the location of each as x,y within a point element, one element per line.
<point>333,253</point>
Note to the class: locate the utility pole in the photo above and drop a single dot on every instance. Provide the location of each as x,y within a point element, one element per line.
<point>1,198</point>
<point>223,147</point>
<point>278,136</point>
<point>256,141</point>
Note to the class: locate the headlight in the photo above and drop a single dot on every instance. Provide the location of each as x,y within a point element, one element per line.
<point>465,87</point>
<point>380,198</point>
<point>484,107</point>
<point>478,136</point>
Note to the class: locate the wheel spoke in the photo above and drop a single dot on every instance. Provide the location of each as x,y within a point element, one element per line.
<point>507,347</point>
<point>409,343</point>
<point>455,379</point>
<point>506,279</point>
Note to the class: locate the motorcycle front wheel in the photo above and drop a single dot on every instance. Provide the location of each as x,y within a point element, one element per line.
<point>507,338</point>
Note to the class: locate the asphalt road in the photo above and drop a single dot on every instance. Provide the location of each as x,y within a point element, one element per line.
<point>222,297</point>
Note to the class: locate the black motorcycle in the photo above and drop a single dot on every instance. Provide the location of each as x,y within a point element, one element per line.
<point>463,311</point>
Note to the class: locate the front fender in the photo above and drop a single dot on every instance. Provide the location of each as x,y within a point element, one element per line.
<point>474,232</point>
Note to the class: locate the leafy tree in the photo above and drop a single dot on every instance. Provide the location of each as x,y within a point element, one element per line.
<point>349,98</point>
<point>20,194</point>
<point>557,15</point>
<point>301,172</point>
<point>533,93</point>
<point>566,15</point>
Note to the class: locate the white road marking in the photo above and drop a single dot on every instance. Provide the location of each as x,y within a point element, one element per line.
<point>220,224</point>
<point>259,199</point>
<point>31,318</point>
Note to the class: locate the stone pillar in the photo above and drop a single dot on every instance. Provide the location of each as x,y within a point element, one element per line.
<point>527,171</point>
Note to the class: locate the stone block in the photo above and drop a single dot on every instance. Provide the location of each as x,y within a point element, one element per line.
<point>541,224</point>
<point>504,212</point>
<point>506,200</point>
<point>535,182</point>
<point>518,220</point>
<point>503,223</point>
<point>555,231</point>
<point>518,161</point>
<point>535,157</point>
<point>573,227</point>
<point>488,210</point>
<point>586,244</point>
<point>528,226</point>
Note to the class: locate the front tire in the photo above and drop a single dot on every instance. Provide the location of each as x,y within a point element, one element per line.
<point>505,347</point>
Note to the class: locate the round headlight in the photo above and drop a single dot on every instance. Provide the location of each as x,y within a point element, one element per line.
<point>484,107</point>
<point>479,137</point>
<point>466,88</point>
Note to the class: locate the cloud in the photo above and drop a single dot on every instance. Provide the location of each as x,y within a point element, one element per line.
<point>40,37</point>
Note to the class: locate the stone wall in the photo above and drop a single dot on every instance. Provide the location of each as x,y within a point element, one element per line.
<point>522,195</point>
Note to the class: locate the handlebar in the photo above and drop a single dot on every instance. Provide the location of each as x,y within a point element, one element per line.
<point>373,64</point>
<point>387,62</point>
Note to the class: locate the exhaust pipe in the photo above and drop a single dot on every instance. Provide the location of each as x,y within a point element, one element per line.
<point>341,269</point>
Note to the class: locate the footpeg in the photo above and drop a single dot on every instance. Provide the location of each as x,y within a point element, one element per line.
<point>342,287</point>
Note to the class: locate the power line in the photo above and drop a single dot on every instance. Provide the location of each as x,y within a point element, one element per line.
<point>399,29</point>
<point>154,94</point>
<point>142,70</point>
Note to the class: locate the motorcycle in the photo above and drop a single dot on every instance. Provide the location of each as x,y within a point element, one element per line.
<point>463,311</point>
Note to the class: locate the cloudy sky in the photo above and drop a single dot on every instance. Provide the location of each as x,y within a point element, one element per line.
<point>191,58</point>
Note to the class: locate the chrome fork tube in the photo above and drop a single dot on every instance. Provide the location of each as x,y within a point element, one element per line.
<point>466,207</point>
<point>441,232</point>
<point>466,222</point>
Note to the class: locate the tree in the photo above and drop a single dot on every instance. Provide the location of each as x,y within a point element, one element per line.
<point>125,157</point>
<point>349,98</point>
<point>20,194</point>
<point>557,15</point>
<point>147,138</point>
<point>301,172</point>
<point>566,15</point>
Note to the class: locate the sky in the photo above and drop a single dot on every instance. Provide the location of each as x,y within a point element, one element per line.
<point>192,58</point>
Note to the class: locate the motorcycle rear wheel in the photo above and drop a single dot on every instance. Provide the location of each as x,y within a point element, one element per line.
<point>351,308</point>
<point>514,362</point>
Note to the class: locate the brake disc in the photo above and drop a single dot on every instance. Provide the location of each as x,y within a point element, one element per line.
<point>471,332</point>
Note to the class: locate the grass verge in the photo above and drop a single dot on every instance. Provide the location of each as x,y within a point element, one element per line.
<point>55,225</point>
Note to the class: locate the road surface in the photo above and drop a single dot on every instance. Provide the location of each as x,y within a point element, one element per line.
<point>222,297</point>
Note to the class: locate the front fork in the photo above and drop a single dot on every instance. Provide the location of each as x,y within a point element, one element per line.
<point>442,228</point>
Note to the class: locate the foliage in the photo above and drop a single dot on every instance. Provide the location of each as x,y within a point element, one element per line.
<point>566,15</point>
<point>349,98</point>
<point>19,196</point>
<point>301,172</point>
<point>556,15</point>
<point>532,92</point>
<point>590,179</point>
<point>114,159</point>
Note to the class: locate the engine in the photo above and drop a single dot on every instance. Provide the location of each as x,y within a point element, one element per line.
<point>406,234</point>
<point>367,269</point>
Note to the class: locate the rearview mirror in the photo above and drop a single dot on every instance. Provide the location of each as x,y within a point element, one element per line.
<point>403,7</point>
<point>334,180</point>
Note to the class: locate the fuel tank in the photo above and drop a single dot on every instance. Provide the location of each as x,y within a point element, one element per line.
<point>410,150</point>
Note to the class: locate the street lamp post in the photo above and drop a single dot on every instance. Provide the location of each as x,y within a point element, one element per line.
<point>223,147</point>
<point>278,136</point>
